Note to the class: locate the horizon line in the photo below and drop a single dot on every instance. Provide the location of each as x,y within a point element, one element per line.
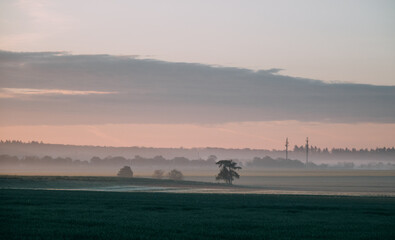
<point>187,148</point>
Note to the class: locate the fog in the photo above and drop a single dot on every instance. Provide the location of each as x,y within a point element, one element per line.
<point>328,172</point>
<point>51,159</point>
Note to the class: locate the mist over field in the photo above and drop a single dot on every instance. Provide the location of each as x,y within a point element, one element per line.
<point>54,159</point>
<point>86,153</point>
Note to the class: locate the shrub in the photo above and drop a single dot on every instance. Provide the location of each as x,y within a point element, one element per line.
<point>126,171</point>
<point>175,175</point>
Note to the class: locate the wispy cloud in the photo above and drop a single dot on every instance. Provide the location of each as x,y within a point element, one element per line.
<point>20,92</point>
<point>80,89</point>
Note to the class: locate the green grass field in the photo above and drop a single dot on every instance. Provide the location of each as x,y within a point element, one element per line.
<point>44,214</point>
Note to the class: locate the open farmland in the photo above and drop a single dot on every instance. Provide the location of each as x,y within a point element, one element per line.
<point>60,214</point>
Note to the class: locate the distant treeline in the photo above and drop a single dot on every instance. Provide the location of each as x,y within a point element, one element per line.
<point>157,161</point>
<point>302,148</point>
<point>316,154</point>
<point>180,162</point>
<point>268,162</point>
<point>342,151</point>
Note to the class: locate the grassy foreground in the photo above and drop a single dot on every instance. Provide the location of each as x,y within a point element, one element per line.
<point>77,182</point>
<point>42,214</point>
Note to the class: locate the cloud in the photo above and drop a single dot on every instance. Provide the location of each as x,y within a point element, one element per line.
<point>21,92</point>
<point>152,91</point>
<point>274,70</point>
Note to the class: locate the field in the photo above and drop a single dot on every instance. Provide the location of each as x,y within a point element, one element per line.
<point>72,214</point>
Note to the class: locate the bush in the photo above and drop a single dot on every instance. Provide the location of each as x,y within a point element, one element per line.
<point>175,175</point>
<point>126,171</point>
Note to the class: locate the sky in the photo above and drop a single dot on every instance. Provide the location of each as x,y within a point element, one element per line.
<point>233,74</point>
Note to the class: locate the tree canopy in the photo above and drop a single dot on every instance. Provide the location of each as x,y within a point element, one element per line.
<point>126,171</point>
<point>227,171</point>
<point>175,175</point>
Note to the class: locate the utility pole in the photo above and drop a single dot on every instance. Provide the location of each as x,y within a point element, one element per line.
<point>286,149</point>
<point>307,151</point>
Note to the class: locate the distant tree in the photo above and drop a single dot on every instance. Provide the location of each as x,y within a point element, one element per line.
<point>126,171</point>
<point>227,171</point>
<point>158,174</point>
<point>96,161</point>
<point>175,175</point>
<point>212,158</point>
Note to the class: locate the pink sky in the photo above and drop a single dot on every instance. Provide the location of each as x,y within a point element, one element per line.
<point>260,135</point>
<point>69,75</point>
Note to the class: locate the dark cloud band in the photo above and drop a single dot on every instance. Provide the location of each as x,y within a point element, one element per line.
<point>165,92</point>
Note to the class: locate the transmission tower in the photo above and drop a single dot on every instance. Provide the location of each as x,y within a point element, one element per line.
<point>286,149</point>
<point>307,151</point>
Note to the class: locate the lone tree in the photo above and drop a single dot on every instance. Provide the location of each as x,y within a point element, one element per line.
<point>125,172</point>
<point>227,171</point>
<point>175,175</point>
